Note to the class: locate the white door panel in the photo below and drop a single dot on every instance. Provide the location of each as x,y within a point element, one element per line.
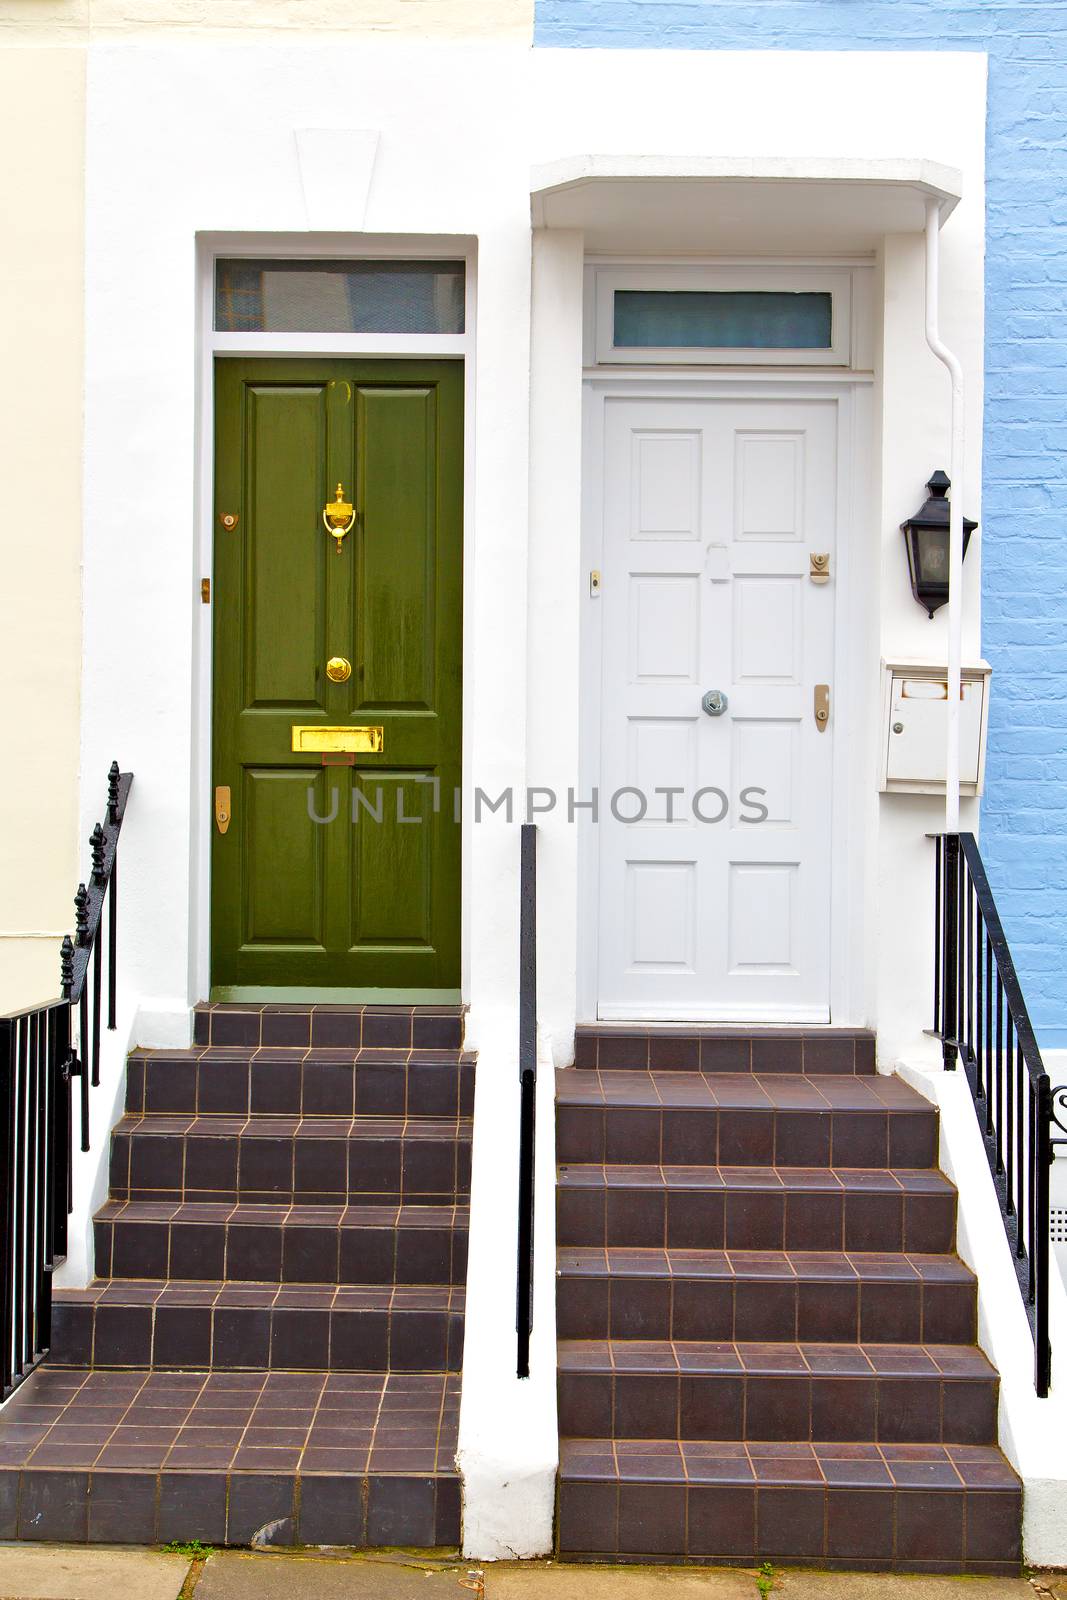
<point>712,508</point>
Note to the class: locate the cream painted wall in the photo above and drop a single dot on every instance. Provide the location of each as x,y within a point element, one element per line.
<point>427,19</point>
<point>42,106</point>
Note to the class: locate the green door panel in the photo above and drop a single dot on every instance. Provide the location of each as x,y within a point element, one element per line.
<point>282,477</point>
<point>392,885</point>
<point>284,892</point>
<point>396,620</point>
<point>368,895</point>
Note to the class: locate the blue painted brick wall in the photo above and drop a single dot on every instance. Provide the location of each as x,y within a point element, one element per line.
<point>1024,816</point>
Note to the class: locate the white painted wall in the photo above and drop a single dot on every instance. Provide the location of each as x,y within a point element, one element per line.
<point>225,136</point>
<point>915,429</point>
<point>508,1435</point>
<point>1032,1431</point>
<point>1056,1067</point>
<point>89,1169</point>
<point>761,104</point>
<point>202,138</point>
<point>557,595</point>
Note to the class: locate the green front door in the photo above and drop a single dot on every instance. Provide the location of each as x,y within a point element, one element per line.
<point>369,899</point>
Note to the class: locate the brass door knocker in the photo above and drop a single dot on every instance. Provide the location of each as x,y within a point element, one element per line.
<point>338,518</point>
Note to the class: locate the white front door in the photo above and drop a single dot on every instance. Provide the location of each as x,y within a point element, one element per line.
<point>714,903</point>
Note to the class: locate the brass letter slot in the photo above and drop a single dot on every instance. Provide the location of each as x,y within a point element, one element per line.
<point>313,739</point>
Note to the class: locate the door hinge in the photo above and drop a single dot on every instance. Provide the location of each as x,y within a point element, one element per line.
<point>205,590</point>
<point>222,807</point>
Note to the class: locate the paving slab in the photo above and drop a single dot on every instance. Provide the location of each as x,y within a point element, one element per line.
<point>80,1572</point>
<point>247,1575</point>
<point>541,1581</point>
<point>250,1575</point>
<point>885,1586</point>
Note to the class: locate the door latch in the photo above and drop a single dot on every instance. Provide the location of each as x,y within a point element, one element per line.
<point>822,706</point>
<point>222,807</point>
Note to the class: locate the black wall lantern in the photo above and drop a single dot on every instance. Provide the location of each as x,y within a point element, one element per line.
<point>926,534</point>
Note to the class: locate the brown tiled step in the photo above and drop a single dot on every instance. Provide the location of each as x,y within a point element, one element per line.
<point>904,1507</point>
<point>718,1049</point>
<point>406,1027</point>
<point>287,1244</point>
<point>741,1119</point>
<point>143,1458</point>
<point>291,1081</point>
<point>658,1389</point>
<point>743,1294</point>
<point>756,1208</point>
<point>368,1160</point>
<point>251,1326</point>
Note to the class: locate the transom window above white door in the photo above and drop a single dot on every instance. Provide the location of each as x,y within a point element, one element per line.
<point>709,315</point>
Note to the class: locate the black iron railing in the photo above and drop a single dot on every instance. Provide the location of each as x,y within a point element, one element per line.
<point>41,1051</point>
<point>981,1018</point>
<point>527,1090</point>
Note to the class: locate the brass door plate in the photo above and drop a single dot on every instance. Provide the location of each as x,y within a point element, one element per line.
<point>223,812</point>
<point>819,567</point>
<point>314,739</point>
<point>822,706</point>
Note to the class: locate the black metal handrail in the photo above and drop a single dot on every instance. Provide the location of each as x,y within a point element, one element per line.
<point>40,1053</point>
<point>980,1017</point>
<point>527,1091</point>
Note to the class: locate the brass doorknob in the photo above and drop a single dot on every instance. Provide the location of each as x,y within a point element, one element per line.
<point>338,670</point>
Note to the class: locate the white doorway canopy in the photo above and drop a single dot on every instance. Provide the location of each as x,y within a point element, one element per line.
<point>735,205</point>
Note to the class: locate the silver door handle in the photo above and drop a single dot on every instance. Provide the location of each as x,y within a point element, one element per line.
<point>714,702</point>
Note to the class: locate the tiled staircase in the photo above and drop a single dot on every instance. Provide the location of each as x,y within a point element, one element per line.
<point>273,1340</point>
<point>766,1341</point>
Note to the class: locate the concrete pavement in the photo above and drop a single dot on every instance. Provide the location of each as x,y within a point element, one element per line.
<point>79,1572</point>
<point>85,1572</point>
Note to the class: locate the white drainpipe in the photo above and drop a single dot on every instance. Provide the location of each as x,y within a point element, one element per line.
<point>955,526</point>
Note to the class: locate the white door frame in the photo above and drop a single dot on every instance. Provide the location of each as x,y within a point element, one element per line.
<point>855,615</point>
<point>310,246</point>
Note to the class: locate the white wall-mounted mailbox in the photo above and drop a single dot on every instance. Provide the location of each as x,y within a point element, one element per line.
<point>915,727</point>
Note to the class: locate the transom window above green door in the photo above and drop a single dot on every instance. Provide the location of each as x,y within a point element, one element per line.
<point>301,296</point>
